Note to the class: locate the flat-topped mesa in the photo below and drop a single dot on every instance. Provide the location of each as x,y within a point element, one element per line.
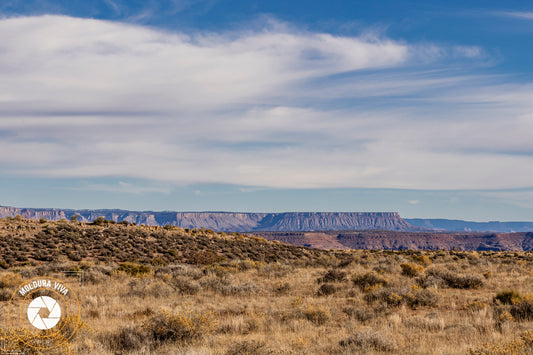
<point>313,221</point>
<point>232,221</point>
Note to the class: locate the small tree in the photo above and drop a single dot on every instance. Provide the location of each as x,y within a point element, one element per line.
<point>74,218</point>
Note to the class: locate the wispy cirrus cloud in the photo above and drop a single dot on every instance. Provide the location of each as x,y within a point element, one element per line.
<point>526,15</point>
<point>270,107</point>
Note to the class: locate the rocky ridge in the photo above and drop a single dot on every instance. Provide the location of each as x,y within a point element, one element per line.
<point>231,221</point>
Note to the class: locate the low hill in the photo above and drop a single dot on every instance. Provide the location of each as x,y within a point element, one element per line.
<point>230,221</point>
<point>30,242</point>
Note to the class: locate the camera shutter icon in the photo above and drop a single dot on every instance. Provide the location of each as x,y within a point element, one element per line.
<point>54,310</point>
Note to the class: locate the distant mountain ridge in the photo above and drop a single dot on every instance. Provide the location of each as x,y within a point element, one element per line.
<point>231,221</point>
<point>454,225</point>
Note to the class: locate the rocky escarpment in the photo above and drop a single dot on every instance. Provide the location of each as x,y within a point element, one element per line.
<point>231,221</point>
<point>322,221</point>
<point>392,240</point>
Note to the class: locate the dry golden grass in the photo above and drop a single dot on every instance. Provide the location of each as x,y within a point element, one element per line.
<point>350,302</point>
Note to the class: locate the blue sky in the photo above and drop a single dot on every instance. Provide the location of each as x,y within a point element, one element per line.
<point>418,107</point>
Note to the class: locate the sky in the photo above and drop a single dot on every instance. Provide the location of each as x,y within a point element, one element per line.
<point>422,108</point>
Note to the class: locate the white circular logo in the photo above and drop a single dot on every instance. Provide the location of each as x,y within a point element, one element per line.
<point>53,316</point>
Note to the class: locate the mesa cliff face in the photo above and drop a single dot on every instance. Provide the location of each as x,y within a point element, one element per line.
<point>232,221</point>
<point>393,240</point>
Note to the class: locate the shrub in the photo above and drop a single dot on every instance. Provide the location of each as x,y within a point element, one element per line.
<point>326,290</point>
<point>282,288</point>
<point>134,269</point>
<point>475,306</point>
<point>457,281</point>
<point>149,287</point>
<point>173,253</point>
<point>522,310</point>
<point>517,346</point>
<point>316,314</point>
<point>369,279</point>
<point>508,297</point>
<point>431,281</point>
<point>413,297</point>
<point>5,295</point>
<point>20,341</point>
<point>240,290</point>
<point>99,221</point>
<point>127,339</point>
<point>465,281</point>
<point>10,279</point>
<point>181,327</point>
<point>361,314</point>
<point>185,286</point>
<point>158,262</point>
<point>424,297</point>
<point>369,340</point>
<point>421,259</point>
<point>333,276</point>
<point>411,269</point>
<point>252,347</point>
<point>206,257</point>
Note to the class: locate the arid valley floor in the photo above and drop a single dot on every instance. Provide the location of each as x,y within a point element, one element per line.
<point>157,290</point>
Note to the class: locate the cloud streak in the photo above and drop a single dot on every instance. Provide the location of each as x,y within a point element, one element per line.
<point>525,15</point>
<point>268,108</point>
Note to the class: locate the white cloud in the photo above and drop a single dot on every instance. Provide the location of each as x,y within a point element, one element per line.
<point>517,14</point>
<point>69,63</point>
<point>123,187</point>
<point>86,98</point>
